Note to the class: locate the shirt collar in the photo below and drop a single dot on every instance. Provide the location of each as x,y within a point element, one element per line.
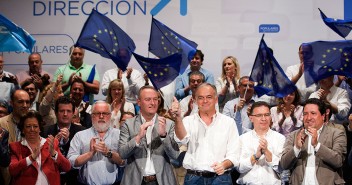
<point>24,142</point>
<point>213,118</point>
<point>144,120</point>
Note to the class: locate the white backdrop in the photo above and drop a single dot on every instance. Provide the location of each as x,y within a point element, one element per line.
<point>220,27</point>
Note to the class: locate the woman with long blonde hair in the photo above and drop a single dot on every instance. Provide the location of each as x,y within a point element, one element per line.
<point>226,85</point>
<point>116,98</point>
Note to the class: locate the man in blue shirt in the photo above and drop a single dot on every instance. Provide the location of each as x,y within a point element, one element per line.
<point>182,82</point>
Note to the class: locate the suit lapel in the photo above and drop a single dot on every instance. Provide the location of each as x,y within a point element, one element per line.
<point>138,123</point>
<point>322,139</point>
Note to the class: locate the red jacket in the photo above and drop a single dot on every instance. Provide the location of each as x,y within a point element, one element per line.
<point>23,174</point>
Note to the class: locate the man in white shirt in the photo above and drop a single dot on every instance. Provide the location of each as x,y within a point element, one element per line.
<point>296,73</point>
<point>336,96</point>
<point>261,149</point>
<point>212,140</point>
<point>316,153</point>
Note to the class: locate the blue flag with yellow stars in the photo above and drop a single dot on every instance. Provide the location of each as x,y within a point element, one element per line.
<point>341,27</point>
<point>271,79</point>
<point>164,42</point>
<point>101,35</point>
<point>161,72</point>
<point>14,38</point>
<point>326,58</point>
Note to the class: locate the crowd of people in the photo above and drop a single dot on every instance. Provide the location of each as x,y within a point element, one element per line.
<point>53,131</point>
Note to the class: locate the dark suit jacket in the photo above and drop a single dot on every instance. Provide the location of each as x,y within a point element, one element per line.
<point>161,152</point>
<point>23,174</point>
<point>328,159</point>
<point>53,130</point>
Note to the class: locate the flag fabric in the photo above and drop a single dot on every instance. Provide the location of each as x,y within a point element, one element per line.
<point>325,58</point>
<point>271,79</point>
<point>101,35</point>
<point>161,72</point>
<point>341,27</point>
<point>90,79</point>
<point>164,42</point>
<point>14,38</point>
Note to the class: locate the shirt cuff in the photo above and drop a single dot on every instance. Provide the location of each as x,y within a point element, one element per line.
<point>28,161</point>
<point>296,150</point>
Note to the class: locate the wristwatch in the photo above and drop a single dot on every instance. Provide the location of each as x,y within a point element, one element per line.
<point>109,154</point>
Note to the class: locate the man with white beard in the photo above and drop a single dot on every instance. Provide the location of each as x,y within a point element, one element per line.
<point>94,151</point>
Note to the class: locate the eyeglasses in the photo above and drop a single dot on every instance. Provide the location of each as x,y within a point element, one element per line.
<point>249,86</point>
<point>194,81</point>
<point>261,115</point>
<point>97,114</point>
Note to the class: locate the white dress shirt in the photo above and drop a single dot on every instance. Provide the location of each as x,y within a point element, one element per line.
<point>262,172</point>
<point>339,97</point>
<point>310,177</point>
<point>209,144</point>
<point>149,165</point>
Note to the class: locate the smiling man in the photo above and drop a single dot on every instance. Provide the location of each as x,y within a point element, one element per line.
<point>316,153</point>
<point>261,149</point>
<point>146,143</point>
<point>211,137</point>
<point>94,151</point>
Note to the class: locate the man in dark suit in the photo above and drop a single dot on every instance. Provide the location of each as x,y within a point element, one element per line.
<point>64,131</point>
<point>315,153</point>
<point>146,142</point>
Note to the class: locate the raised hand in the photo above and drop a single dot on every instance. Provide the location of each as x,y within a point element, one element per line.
<point>175,111</point>
<point>162,126</point>
<point>300,138</point>
<point>51,140</point>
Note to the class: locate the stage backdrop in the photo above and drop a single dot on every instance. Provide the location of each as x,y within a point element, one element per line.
<point>220,27</point>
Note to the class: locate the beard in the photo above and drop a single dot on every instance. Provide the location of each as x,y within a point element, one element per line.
<point>101,127</point>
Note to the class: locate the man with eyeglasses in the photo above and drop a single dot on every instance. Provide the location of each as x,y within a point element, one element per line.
<point>20,102</point>
<point>64,130</point>
<point>211,137</point>
<point>261,149</point>
<point>316,153</point>
<point>146,142</point>
<point>94,151</point>
<point>238,107</point>
<point>188,104</point>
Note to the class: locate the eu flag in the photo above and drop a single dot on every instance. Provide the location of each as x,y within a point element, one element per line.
<point>89,80</point>
<point>164,42</point>
<point>14,38</point>
<point>161,72</point>
<point>271,79</point>
<point>101,35</point>
<point>341,27</point>
<point>325,58</point>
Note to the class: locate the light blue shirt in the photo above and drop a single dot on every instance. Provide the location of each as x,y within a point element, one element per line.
<point>241,118</point>
<point>182,81</point>
<point>98,170</point>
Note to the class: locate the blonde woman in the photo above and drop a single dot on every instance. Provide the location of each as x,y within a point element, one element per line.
<point>226,85</point>
<point>116,98</point>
